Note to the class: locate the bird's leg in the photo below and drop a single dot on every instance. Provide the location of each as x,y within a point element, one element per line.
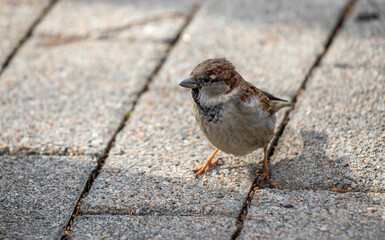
<point>207,165</point>
<point>265,173</point>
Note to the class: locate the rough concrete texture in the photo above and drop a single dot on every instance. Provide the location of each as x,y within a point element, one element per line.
<point>39,193</point>
<point>149,168</point>
<point>72,18</point>
<point>152,227</point>
<point>69,96</point>
<point>55,102</point>
<point>67,89</point>
<point>278,214</point>
<point>336,134</point>
<point>16,17</point>
<point>361,42</point>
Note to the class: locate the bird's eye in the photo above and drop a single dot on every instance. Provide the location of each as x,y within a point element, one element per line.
<point>207,79</point>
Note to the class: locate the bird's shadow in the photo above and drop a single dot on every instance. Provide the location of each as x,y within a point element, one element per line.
<point>313,167</point>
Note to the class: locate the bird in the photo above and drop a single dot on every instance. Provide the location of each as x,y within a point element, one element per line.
<point>234,115</point>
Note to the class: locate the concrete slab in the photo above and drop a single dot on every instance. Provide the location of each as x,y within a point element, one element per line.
<point>69,97</point>
<point>286,214</point>
<point>149,169</point>
<point>336,134</point>
<point>361,42</point>
<point>39,193</point>
<point>152,227</point>
<point>16,18</point>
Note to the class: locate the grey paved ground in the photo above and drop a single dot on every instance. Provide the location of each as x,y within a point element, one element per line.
<point>98,77</point>
<point>39,193</point>
<point>16,18</point>
<point>152,227</point>
<point>67,92</point>
<point>288,214</point>
<point>361,42</point>
<point>336,135</point>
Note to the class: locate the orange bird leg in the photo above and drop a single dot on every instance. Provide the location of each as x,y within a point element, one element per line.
<point>207,165</point>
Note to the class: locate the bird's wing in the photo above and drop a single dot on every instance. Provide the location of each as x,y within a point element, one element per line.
<point>269,103</point>
<point>251,92</point>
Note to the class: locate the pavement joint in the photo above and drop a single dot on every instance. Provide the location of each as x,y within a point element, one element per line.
<point>27,35</point>
<point>27,152</point>
<point>344,15</point>
<point>94,174</point>
<point>55,40</point>
<point>260,185</point>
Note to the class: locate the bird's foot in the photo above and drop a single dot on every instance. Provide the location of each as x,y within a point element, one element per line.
<point>206,167</point>
<point>263,178</point>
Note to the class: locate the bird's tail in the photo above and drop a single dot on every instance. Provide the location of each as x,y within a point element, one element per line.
<point>279,105</point>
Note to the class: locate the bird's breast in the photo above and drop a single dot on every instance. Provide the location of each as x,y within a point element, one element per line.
<point>233,131</point>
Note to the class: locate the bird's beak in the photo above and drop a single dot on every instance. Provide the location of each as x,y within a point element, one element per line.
<point>188,83</point>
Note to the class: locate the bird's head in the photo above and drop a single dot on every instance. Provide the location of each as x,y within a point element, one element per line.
<point>211,80</point>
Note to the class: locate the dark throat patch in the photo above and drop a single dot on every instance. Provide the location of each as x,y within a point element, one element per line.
<point>211,114</point>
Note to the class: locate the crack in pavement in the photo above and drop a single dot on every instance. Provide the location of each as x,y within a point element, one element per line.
<point>28,34</point>
<point>272,146</point>
<point>94,174</point>
<point>59,39</point>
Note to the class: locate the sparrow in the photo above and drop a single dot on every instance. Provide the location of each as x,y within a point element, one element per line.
<point>234,115</point>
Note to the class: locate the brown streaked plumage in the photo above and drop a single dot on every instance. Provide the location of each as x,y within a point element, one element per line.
<point>235,116</point>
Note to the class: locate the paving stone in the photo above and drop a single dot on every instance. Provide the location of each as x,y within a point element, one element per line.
<point>152,227</point>
<point>336,134</point>
<point>69,97</point>
<point>39,193</point>
<point>149,169</point>
<point>361,41</point>
<point>16,17</point>
<point>278,214</point>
